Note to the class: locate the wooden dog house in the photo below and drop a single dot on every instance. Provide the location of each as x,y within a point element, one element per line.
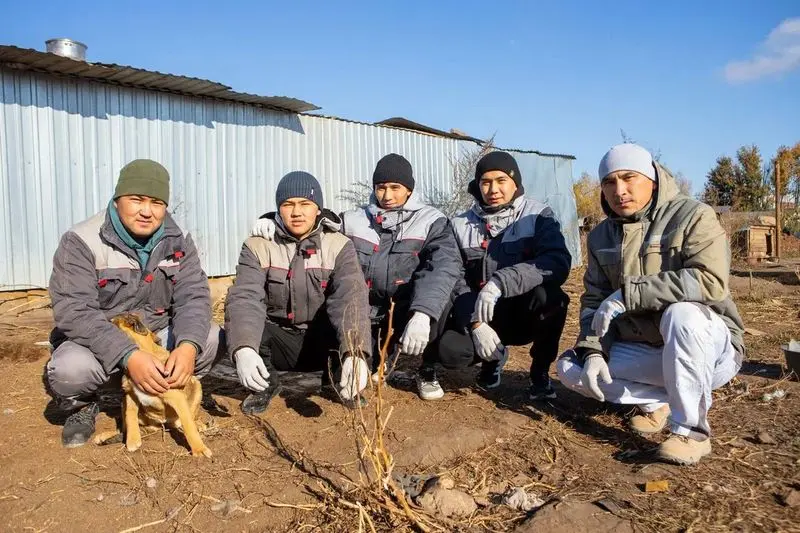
<point>755,242</point>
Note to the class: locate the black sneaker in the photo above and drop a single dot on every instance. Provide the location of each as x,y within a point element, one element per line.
<point>257,402</point>
<point>79,426</point>
<point>541,389</point>
<point>489,377</point>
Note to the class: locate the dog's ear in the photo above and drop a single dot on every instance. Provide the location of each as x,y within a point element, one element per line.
<point>155,338</point>
<point>138,327</point>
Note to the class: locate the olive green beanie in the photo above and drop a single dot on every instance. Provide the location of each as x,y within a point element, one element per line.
<point>143,177</point>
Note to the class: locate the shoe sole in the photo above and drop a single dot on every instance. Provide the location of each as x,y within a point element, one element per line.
<point>680,461</point>
<point>74,444</point>
<point>432,396</point>
<point>540,397</point>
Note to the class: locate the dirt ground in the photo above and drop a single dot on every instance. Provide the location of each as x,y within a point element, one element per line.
<point>288,470</point>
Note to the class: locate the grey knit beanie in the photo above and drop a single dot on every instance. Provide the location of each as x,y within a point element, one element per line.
<point>298,184</point>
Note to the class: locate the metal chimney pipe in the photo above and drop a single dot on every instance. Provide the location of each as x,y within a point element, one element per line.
<point>67,48</point>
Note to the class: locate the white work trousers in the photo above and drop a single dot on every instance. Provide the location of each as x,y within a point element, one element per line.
<point>696,358</point>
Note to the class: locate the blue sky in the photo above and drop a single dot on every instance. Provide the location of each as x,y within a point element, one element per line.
<point>693,80</point>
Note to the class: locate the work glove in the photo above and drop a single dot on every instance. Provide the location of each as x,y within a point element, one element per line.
<point>487,299</point>
<point>264,227</point>
<point>415,336</point>
<point>593,366</point>
<point>252,371</point>
<point>611,307</point>
<point>355,374</point>
<point>487,344</point>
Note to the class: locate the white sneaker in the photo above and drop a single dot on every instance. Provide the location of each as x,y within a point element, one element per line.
<point>427,385</point>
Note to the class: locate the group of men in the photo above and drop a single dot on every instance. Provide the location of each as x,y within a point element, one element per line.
<point>313,291</point>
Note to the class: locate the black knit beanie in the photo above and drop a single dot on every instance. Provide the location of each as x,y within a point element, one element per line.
<point>298,184</point>
<point>394,168</point>
<point>502,161</point>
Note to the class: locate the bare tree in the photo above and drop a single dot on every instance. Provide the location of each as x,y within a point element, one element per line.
<point>450,200</point>
<point>357,195</point>
<point>456,198</point>
<point>626,139</point>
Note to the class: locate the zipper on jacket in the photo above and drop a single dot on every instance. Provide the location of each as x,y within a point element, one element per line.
<point>290,282</point>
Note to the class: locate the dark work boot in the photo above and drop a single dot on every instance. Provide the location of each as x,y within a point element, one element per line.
<point>257,402</point>
<point>79,426</point>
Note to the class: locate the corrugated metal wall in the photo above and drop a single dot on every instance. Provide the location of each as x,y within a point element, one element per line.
<point>62,143</point>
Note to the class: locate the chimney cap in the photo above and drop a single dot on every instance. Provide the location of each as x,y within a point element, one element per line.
<point>67,48</point>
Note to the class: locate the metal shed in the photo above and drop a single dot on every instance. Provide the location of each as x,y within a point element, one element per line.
<point>67,127</point>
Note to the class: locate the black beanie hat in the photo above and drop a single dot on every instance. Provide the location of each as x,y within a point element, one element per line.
<point>298,184</point>
<point>394,168</point>
<point>502,161</point>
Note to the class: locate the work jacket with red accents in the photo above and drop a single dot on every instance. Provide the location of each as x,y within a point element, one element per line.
<point>96,276</point>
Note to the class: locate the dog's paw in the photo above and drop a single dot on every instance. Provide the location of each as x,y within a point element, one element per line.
<point>132,446</point>
<point>204,452</point>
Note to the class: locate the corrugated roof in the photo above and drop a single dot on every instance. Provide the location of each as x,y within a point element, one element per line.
<point>406,124</point>
<point>27,59</point>
<point>537,152</point>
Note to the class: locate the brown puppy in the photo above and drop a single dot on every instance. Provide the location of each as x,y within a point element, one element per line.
<point>177,408</point>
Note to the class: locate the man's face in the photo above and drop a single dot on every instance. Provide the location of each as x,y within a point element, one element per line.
<point>299,216</point>
<point>497,188</point>
<point>141,215</point>
<point>391,195</point>
<point>627,191</point>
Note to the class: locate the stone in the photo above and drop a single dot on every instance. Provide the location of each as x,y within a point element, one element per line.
<point>438,499</point>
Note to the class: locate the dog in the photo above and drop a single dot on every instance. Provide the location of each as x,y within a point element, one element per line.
<point>177,408</point>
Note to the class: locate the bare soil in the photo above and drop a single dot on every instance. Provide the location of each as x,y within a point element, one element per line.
<point>268,473</point>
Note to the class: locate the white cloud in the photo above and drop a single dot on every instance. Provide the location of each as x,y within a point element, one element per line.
<point>778,54</point>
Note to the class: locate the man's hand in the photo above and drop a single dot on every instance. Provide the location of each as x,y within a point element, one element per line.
<point>147,373</point>
<point>611,308</point>
<point>415,336</point>
<point>263,227</point>
<point>180,365</point>
<point>486,342</point>
<point>487,299</point>
<point>355,373</point>
<point>253,373</point>
<point>595,366</point>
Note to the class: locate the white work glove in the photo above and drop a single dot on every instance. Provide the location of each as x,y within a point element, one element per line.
<point>594,365</point>
<point>263,227</point>
<point>415,336</point>
<point>611,307</point>
<point>487,344</point>
<point>355,374</point>
<point>252,371</point>
<point>484,305</point>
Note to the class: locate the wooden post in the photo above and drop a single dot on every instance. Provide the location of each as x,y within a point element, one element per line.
<point>778,225</point>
